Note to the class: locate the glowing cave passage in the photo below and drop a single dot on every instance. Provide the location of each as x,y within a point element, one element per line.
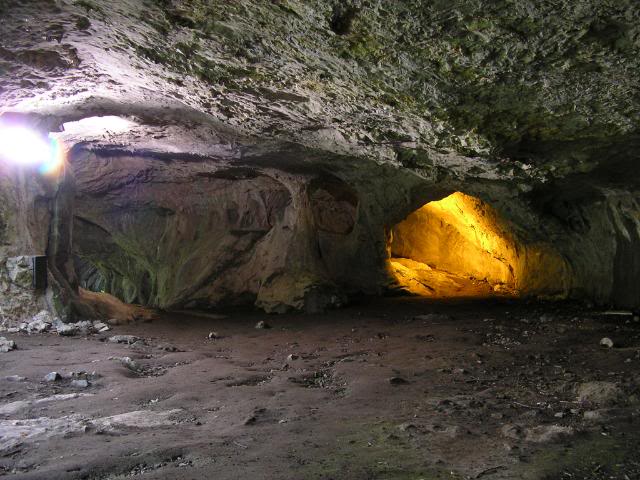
<point>459,247</point>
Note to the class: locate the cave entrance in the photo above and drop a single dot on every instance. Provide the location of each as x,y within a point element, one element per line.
<point>454,247</point>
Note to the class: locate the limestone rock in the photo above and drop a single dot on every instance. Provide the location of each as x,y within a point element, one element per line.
<point>52,377</point>
<point>128,339</point>
<point>7,345</point>
<point>19,269</point>
<point>606,342</point>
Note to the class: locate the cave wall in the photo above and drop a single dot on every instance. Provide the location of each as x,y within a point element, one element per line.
<point>600,238</point>
<point>24,228</point>
<point>182,233</point>
<point>176,233</point>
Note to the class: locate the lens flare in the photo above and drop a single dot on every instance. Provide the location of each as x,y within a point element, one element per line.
<point>21,146</point>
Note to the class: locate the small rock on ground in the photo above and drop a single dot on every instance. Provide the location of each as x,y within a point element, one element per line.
<point>52,377</point>
<point>7,345</point>
<point>128,339</point>
<point>606,342</point>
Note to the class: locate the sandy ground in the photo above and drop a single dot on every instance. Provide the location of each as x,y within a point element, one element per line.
<point>486,390</point>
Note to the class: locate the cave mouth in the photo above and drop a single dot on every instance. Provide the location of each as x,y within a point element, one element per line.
<point>455,247</point>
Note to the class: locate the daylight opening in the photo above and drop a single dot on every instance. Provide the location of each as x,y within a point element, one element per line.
<point>455,247</point>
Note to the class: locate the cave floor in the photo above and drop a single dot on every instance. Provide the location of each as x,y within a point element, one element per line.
<point>374,391</point>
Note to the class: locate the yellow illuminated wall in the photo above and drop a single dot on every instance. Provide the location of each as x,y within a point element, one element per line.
<point>461,237</point>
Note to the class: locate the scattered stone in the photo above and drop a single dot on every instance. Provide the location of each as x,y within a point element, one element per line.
<point>15,378</point>
<point>7,345</point>
<point>40,323</point>
<point>291,357</point>
<point>261,325</point>
<point>398,381</point>
<point>548,433</point>
<point>601,394</point>
<point>128,339</point>
<point>130,364</point>
<point>79,383</point>
<point>214,336</point>
<point>606,342</point>
<point>497,415</point>
<point>85,327</point>
<point>101,327</point>
<point>52,377</point>
<point>13,330</point>
<point>67,329</point>
<point>559,415</point>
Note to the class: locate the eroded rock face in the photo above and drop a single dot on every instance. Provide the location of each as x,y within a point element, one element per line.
<point>271,146</point>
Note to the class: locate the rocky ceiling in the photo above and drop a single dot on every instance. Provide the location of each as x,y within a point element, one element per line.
<point>271,145</point>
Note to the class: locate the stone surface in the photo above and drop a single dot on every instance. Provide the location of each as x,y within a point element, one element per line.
<point>6,345</point>
<point>606,342</point>
<point>128,339</point>
<point>52,377</point>
<point>262,152</point>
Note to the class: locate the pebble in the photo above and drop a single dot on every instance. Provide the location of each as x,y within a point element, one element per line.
<point>213,336</point>
<point>7,345</point>
<point>66,329</point>
<point>52,377</point>
<point>15,378</point>
<point>130,364</point>
<point>128,339</point>
<point>606,342</point>
<point>79,383</point>
<point>261,325</point>
<point>292,357</point>
<point>101,326</point>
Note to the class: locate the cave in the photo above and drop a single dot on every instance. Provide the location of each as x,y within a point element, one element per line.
<point>319,239</point>
<point>460,247</point>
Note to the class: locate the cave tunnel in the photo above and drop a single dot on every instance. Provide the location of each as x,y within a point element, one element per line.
<point>319,239</point>
<point>460,246</point>
<point>454,247</point>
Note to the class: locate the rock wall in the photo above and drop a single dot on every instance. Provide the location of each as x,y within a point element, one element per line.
<point>271,146</point>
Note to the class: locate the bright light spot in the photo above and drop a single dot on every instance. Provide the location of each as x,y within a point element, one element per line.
<point>454,247</point>
<point>99,125</point>
<point>23,146</point>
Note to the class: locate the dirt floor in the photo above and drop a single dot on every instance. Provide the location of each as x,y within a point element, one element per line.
<point>395,388</point>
